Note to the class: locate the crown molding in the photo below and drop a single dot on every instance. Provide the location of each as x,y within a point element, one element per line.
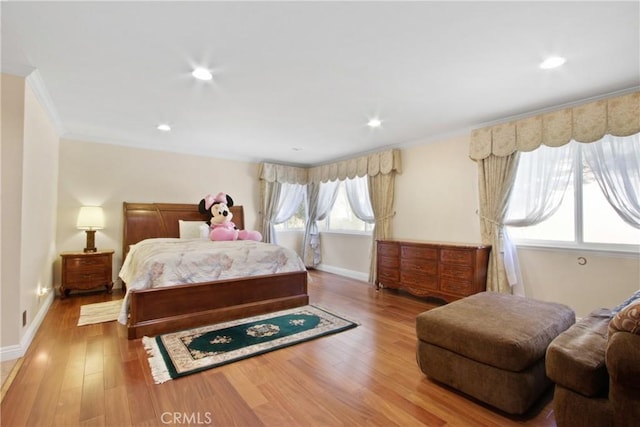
<point>35,82</point>
<point>19,70</point>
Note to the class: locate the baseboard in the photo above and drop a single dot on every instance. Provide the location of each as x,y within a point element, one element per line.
<point>18,350</point>
<point>11,352</point>
<point>352,274</point>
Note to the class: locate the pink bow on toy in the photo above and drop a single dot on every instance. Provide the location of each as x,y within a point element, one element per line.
<point>209,200</point>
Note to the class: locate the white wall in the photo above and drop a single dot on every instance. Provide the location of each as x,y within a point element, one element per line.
<point>346,254</point>
<point>39,203</point>
<point>436,200</point>
<point>12,144</point>
<point>29,177</point>
<point>436,196</point>
<point>557,275</point>
<point>108,175</point>
<point>45,181</point>
<point>437,193</point>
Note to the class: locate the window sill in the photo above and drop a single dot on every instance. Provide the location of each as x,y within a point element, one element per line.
<point>349,232</point>
<point>623,251</point>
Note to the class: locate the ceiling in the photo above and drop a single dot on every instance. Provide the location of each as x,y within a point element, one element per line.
<point>296,82</point>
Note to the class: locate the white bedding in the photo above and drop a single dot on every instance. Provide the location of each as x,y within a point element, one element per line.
<point>154,263</point>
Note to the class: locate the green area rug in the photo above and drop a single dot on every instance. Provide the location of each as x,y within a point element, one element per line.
<point>183,353</point>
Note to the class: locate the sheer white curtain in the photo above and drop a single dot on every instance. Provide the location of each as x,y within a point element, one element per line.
<point>320,198</point>
<point>289,199</point>
<point>542,178</point>
<point>585,123</point>
<point>270,195</point>
<point>357,190</point>
<point>615,163</point>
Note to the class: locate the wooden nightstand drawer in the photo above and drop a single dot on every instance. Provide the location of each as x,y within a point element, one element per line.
<point>83,271</point>
<point>77,262</point>
<point>97,278</point>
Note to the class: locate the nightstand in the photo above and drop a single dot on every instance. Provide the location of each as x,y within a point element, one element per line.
<point>86,270</point>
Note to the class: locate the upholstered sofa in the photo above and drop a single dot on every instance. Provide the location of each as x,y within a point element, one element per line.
<point>595,365</point>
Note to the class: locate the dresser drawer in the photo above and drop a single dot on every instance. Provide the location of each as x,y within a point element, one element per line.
<point>388,249</point>
<point>456,256</point>
<point>387,262</point>
<point>419,266</point>
<point>456,287</point>
<point>448,271</point>
<point>388,277</point>
<point>419,252</point>
<point>413,281</point>
<point>460,273</point>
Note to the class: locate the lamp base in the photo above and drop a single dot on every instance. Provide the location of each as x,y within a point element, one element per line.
<point>91,241</point>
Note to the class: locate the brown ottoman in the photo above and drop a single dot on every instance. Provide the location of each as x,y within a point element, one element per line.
<point>491,346</point>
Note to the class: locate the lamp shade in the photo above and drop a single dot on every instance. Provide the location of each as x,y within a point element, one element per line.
<point>90,218</point>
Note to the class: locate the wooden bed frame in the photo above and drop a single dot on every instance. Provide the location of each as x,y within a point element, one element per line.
<point>161,310</point>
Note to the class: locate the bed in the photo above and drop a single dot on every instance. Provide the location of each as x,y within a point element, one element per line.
<point>186,305</point>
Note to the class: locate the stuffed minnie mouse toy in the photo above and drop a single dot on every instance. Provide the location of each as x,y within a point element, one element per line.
<point>221,226</point>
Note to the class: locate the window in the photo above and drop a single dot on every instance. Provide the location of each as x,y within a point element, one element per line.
<point>293,203</point>
<point>583,218</point>
<point>342,217</point>
<point>297,221</point>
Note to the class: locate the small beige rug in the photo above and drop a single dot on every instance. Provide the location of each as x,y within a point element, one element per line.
<point>99,312</point>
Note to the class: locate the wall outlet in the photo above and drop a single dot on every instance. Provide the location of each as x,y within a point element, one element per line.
<point>24,318</point>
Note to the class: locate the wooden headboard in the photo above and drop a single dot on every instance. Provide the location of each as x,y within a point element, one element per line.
<point>150,220</point>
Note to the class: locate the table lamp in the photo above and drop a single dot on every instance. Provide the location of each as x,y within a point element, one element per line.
<point>90,219</point>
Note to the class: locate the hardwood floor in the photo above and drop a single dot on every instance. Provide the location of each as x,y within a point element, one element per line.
<point>93,375</point>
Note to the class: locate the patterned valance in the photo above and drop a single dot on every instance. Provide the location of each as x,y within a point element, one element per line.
<point>373,164</point>
<point>283,174</point>
<point>618,116</point>
<point>383,162</point>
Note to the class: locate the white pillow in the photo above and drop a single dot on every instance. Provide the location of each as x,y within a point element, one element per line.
<point>205,230</point>
<point>193,229</point>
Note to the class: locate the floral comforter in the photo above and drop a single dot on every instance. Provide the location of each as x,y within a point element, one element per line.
<point>154,263</point>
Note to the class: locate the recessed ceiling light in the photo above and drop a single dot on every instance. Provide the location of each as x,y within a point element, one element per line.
<point>374,122</point>
<point>164,127</point>
<point>552,62</point>
<point>202,74</point>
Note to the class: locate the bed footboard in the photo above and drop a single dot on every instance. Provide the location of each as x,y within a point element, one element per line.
<point>162,310</point>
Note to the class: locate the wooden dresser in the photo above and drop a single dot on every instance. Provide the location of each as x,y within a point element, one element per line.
<point>430,269</point>
<point>86,270</point>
